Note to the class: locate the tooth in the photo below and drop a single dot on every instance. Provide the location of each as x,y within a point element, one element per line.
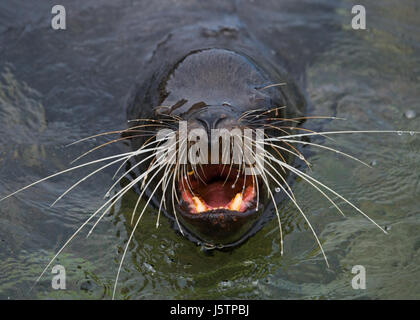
<point>235,204</point>
<point>199,205</point>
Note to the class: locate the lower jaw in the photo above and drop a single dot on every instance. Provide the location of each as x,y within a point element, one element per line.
<point>219,228</point>
<point>217,225</point>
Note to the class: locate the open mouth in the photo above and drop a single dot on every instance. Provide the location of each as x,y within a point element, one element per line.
<point>213,188</point>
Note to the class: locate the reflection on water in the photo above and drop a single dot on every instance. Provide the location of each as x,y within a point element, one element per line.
<point>57,87</point>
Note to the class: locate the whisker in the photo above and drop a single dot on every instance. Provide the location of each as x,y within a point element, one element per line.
<point>112,132</point>
<point>313,185</point>
<point>307,221</point>
<point>130,238</point>
<point>301,173</point>
<point>299,119</point>
<point>300,156</point>
<point>330,149</point>
<point>263,176</point>
<point>122,164</point>
<point>85,178</point>
<point>165,185</point>
<point>78,230</point>
<point>273,85</point>
<point>114,200</point>
<point>271,110</point>
<point>68,170</point>
<point>298,153</point>
<point>295,203</point>
<point>247,113</point>
<point>103,167</point>
<point>276,119</point>
<point>151,120</point>
<point>278,173</point>
<point>157,148</point>
<point>347,132</point>
<point>160,166</point>
<point>130,170</point>
<point>103,145</point>
<point>281,128</point>
<point>116,197</point>
<point>174,194</point>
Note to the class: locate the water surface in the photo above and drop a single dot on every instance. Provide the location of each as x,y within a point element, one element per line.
<point>60,86</point>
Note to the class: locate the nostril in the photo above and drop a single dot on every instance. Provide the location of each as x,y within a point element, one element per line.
<point>204,123</point>
<point>219,120</point>
<point>208,124</point>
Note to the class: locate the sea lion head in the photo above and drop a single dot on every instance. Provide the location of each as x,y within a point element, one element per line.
<point>216,193</point>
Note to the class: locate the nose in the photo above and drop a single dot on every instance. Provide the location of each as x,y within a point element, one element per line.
<point>211,117</point>
<point>211,121</point>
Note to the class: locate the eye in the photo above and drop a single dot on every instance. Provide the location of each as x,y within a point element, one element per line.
<point>162,110</point>
<point>226,104</point>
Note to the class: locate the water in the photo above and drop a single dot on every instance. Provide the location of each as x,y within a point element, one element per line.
<point>60,86</point>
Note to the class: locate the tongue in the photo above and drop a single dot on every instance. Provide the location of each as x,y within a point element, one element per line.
<point>218,195</point>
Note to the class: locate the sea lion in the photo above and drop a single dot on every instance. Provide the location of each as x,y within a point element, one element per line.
<point>222,81</point>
